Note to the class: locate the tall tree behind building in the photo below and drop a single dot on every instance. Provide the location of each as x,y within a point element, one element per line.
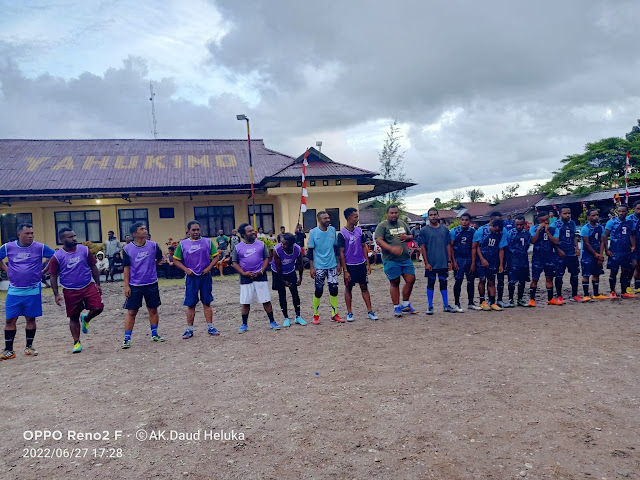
<point>392,164</point>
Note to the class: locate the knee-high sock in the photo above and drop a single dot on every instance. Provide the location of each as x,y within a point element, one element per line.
<point>559,286</point>
<point>470,290</point>
<point>521,286</point>
<point>282,297</point>
<point>457,289</point>
<point>296,298</point>
<point>612,281</point>
<point>316,304</point>
<point>512,290</point>
<point>430,297</point>
<point>30,334</point>
<point>333,299</point>
<point>574,286</point>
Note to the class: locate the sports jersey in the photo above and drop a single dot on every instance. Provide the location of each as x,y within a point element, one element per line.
<point>490,245</point>
<point>621,231</point>
<point>594,235</point>
<point>543,248</point>
<point>518,243</point>
<point>566,232</point>
<point>462,241</point>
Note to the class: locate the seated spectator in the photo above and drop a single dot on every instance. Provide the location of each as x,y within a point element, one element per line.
<point>117,266</point>
<point>261,235</point>
<point>224,261</point>
<point>102,265</point>
<point>272,236</point>
<point>414,250</point>
<point>167,263</point>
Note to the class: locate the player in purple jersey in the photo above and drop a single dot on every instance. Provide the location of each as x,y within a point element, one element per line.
<point>355,261</point>
<point>24,295</point>
<point>76,266</point>
<point>287,258</point>
<point>141,281</point>
<point>196,256</point>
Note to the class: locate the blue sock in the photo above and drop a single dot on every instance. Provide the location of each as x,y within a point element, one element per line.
<point>127,334</point>
<point>154,330</point>
<point>430,297</point>
<point>445,297</point>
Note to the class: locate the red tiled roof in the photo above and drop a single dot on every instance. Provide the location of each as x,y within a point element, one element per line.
<point>478,209</point>
<point>68,166</point>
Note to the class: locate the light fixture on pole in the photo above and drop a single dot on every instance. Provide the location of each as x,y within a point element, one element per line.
<point>253,198</point>
<point>319,145</point>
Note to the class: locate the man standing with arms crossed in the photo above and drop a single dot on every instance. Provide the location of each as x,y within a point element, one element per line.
<point>24,297</point>
<point>392,236</point>
<point>323,253</point>
<point>75,265</point>
<point>196,256</point>
<point>141,281</point>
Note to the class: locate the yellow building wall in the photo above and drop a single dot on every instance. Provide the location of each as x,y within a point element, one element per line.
<point>285,200</point>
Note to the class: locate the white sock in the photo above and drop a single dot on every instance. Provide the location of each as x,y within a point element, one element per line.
<point>210,325</point>
<point>405,303</point>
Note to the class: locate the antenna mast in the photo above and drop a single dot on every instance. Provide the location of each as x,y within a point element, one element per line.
<point>153,111</point>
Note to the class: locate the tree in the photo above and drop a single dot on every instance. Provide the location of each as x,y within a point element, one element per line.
<point>601,164</point>
<point>454,202</point>
<point>510,191</point>
<point>392,163</point>
<point>475,195</point>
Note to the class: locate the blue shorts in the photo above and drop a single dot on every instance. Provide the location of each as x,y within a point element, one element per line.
<point>519,274</point>
<point>569,262</point>
<point>590,267</point>
<point>23,306</point>
<point>464,268</point>
<point>198,288</point>
<point>620,260</point>
<point>537,268</point>
<point>489,272</point>
<point>395,270</point>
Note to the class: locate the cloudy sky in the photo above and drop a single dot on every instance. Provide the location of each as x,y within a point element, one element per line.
<point>486,93</point>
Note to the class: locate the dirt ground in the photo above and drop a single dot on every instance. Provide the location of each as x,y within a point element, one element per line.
<point>550,392</point>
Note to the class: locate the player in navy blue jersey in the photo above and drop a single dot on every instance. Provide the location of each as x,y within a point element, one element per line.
<point>620,251</point>
<point>489,244</point>
<point>567,252</point>
<point>518,240</point>
<point>635,218</point>
<point>543,237</point>
<point>500,283</point>
<point>461,258</point>
<point>591,260</point>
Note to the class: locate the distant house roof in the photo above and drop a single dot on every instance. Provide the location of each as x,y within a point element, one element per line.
<point>516,205</point>
<point>447,214</point>
<point>475,209</point>
<point>78,167</point>
<point>588,197</point>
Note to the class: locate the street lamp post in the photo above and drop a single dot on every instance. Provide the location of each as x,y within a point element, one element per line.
<point>253,198</point>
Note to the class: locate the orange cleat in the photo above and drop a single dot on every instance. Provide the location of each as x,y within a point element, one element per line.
<point>554,301</point>
<point>532,303</point>
<point>578,299</point>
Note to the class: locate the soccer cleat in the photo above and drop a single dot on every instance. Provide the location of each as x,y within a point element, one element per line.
<point>126,344</point>
<point>316,319</point>
<point>187,334</point>
<point>577,299</point>
<point>532,303</point>
<point>496,307</point>
<point>397,311</point>
<point>560,299</point>
<point>587,299</point>
<point>286,323</point>
<point>473,306</point>
<point>637,290</point>
<point>7,355</point>
<point>350,317</point>
<point>77,348</point>
<point>372,316</point>
<point>85,324</point>
<point>30,351</point>
<point>630,290</point>
<point>510,304</point>
<point>485,306</point>
<point>157,338</point>
<point>523,303</point>
<point>408,309</point>
<point>243,328</point>
<point>300,321</point>
<point>458,309</point>
<point>613,296</point>
<point>554,301</point>
<point>449,309</point>
<point>274,325</point>
<point>336,318</point>
<point>502,304</point>
<point>601,297</point>
<point>213,332</point>
<point>429,310</point>
<point>629,295</point>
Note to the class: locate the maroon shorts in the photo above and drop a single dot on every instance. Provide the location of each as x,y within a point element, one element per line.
<point>86,298</point>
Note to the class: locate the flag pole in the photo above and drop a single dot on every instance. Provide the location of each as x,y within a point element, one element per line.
<point>303,194</point>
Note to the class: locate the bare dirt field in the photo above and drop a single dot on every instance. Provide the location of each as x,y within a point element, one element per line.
<point>550,392</point>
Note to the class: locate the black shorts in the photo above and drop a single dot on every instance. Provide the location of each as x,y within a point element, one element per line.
<point>150,293</point>
<point>278,279</point>
<point>358,275</point>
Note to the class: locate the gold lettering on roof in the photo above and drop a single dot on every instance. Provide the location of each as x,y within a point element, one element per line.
<point>91,160</point>
<point>133,162</point>
<point>152,161</point>
<point>177,161</point>
<point>226,161</point>
<point>35,162</point>
<point>66,163</point>
<point>203,160</point>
